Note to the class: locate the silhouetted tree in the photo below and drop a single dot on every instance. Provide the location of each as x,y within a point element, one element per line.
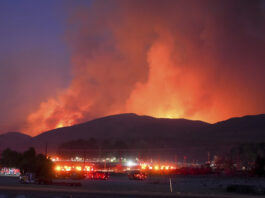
<point>80,144</point>
<point>10,158</point>
<point>43,167</point>
<point>260,166</point>
<point>28,162</point>
<point>120,147</point>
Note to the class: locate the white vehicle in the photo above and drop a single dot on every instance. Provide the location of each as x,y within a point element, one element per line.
<point>27,178</point>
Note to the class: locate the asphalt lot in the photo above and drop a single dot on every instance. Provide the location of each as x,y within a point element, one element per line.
<point>121,186</point>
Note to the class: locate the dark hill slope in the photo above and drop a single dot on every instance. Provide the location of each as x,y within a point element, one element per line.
<point>186,135</point>
<point>122,126</point>
<point>235,131</point>
<point>14,140</point>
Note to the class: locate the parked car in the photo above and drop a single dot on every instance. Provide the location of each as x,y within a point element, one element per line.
<point>26,178</point>
<point>97,175</point>
<point>137,175</point>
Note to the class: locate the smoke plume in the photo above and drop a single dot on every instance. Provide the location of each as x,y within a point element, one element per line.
<point>175,59</point>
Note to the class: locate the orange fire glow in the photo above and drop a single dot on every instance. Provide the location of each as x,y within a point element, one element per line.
<point>156,97</point>
<point>163,65</point>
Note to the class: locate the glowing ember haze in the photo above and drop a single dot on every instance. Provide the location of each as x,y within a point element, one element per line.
<point>174,59</point>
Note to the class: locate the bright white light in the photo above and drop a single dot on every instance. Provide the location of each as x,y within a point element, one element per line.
<point>130,163</point>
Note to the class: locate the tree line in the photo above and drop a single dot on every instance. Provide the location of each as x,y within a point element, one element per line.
<point>113,147</point>
<point>249,155</point>
<point>28,161</point>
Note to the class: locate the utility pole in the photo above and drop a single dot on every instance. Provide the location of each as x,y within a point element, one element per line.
<point>46,150</point>
<point>84,157</point>
<point>176,161</point>
<point>185,161</point>
<point>209,158</point>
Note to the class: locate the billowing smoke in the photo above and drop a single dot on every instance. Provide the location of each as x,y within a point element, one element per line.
<point>192,59</point>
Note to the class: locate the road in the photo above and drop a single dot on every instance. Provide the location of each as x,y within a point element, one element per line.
<point>118,186</point>
<point>46,192</point>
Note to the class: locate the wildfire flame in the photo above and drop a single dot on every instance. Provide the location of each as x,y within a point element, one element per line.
<point>152,60</point>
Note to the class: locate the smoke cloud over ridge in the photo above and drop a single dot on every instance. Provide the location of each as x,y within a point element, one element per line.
<point>175,59</point>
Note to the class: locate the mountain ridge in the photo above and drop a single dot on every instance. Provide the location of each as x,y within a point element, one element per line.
<point>183,134</point>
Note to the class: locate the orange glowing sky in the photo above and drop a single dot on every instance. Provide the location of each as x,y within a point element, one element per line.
<point>200,60</point>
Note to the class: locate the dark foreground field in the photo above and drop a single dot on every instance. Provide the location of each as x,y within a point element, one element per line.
<point>120,186</point>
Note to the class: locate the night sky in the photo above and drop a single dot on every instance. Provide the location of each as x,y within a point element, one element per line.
<point>67,62</point>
